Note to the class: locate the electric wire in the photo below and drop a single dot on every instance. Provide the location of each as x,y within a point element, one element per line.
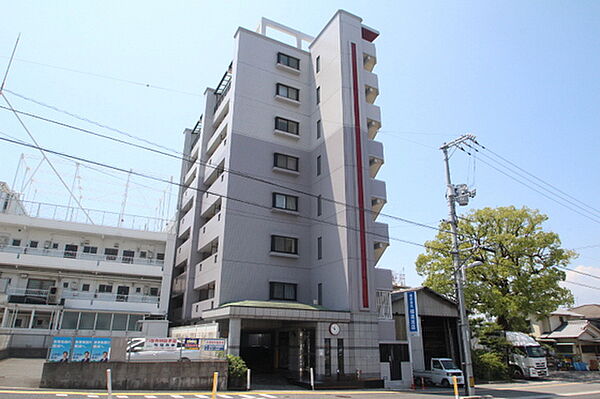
<point>184,157</point>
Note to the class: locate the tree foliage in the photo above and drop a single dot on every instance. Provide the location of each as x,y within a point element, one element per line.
<point>519,279</point>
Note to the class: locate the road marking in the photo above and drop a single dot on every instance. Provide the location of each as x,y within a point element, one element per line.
<point>248,396</point>
<point>149,396</point>
<point>176,396</point>
<point>580,393</point>
<point>542,385</point>
<point>267,396</point>
<point>93,396</point>
<point>61,394</point>
<point>225,396</point>
<point>122,396</point>
<point>201,396</point>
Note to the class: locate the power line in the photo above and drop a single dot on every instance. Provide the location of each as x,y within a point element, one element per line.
<point>184,157</point>
<point>97,75</point>
<point>578,272</point>
<point>205,191</point>
<point>582,285</point>
<point>592,218</point>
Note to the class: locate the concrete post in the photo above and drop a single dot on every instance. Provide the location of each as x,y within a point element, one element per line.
<point>31,318</point>
<point>235,334</point>
<point>5,318</point>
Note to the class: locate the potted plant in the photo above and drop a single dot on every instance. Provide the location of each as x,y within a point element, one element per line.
<point>237,370</point>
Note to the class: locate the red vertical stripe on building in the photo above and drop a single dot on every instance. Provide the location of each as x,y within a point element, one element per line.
<point>359,178</point>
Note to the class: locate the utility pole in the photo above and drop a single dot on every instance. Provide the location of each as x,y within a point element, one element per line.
<point>461,194</point>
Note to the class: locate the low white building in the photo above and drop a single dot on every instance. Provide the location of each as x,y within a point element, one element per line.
<point>62,273</point>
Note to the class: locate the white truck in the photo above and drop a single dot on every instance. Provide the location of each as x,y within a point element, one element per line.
<point>440,372</point>
<point>527,359</point>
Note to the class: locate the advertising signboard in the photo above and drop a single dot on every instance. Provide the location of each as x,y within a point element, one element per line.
<point>82,350</point>
<point>60,349</point>
<point>191,343</point>
<point>161,344</point>
<point>412,312</point>
<point>213,344</point>
<point>101,350</point>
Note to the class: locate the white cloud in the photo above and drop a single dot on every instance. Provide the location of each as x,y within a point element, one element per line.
<point>584,295</point>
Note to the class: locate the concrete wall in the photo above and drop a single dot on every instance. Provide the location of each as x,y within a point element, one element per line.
<point>160,375</point>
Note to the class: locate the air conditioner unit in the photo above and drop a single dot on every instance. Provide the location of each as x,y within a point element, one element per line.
<point>86,242</point>
<point>53,296</point>
<point>116,245</point>
<point>47,244</point>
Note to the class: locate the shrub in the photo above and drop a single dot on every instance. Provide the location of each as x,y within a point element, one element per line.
<point>489,366</point>
<point>236,366</point>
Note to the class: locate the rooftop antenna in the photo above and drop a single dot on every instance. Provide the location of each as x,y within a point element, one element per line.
<point>21,159</point>
<point>58,175</point>
<point>124,203</point>
<point>72,188</point>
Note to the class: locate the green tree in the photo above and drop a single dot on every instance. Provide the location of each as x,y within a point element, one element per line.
<point>520,278</point>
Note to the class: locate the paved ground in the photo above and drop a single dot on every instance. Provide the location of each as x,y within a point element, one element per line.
<point>24,373</point>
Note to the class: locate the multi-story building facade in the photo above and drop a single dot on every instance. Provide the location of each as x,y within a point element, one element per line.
<point>278,238</point>
<point>61,276</point>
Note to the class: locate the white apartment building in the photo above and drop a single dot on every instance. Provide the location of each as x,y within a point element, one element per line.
<point>62,275</point>
<point>278,239</point>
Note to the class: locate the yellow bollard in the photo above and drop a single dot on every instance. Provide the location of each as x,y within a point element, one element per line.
<point>455,383</point>
<point>215,384</point>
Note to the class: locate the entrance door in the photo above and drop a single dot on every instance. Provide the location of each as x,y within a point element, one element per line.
<point>394,354</point>
<point>122,293</point>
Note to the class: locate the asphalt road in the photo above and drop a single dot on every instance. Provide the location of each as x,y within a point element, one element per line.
<point>529,390</point>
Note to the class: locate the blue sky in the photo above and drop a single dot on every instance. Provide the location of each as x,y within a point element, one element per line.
<point>523,76</point>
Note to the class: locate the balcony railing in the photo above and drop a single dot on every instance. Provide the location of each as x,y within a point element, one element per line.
<point>73,214</point>
<point>80,255</point>
<point>27,292</point>
<point>109,297</point>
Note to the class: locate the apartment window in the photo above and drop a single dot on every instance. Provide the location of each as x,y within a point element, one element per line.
<point>154,291</point>
<point>85,287</point>
<point>288,92</point>
<point>33,244</point>
<point>55,245</point>
<point>319,165</point>
<point>70,251</point>
<point>287,245</point>
<point>340,355</point>
<point>105,288</point>
<point>282,291</point>
<point>160,256</point>
<point>287,202</point>
<point>286,162</point>
<point>319,206</point>
<point>286,125</point>
<point>143,254</point>
<point>288,60</point>
<point>318,64</point>
<point>319,247</point>
<point>327,356</point>
<point>111,253</point>
<point>90,250</point>
<point>16,243</point>
<point>318,95</point>
<point>66,285</point>
<point>138,290</point>
<point>319,129</point>
<point>128,256</point>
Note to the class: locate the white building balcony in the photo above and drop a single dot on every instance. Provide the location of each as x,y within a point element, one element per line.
<point>183,252</point>
<point>369,55</point>
<point>217,158</point>
<point>191,174</point>
<point>378,197</point>
<point>201,306</point>
<point>109,301</point>
<point>216,139</point>
<point>373,115</point>
<point>212,195</point>
<point>375,151</point>
<point>186,222</point>
<point>179,284</point>
<point>78,261</point>
<point>188,196</point>
<point>211,229</point>
<point>380,238</point>
<point>371,86</point>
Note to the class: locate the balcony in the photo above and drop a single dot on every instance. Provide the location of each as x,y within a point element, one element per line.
<point>375,151</point>
<point>183,252</point>
<point>186,223</point>
<point>216,158</point>
<point>216,139</point>
<point>188,196</point>
<point>212,195</point>
<point>27,295</point>
<point>179,284</point>
<point>369,60</point>
<point>371,86</point>
<point>71,255</point>
<point>190,175</point>
<point>380,237</point>
<point>210,230</point>
<point>98,217</point>
<point>109,301</point>
<point>378,197</point>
